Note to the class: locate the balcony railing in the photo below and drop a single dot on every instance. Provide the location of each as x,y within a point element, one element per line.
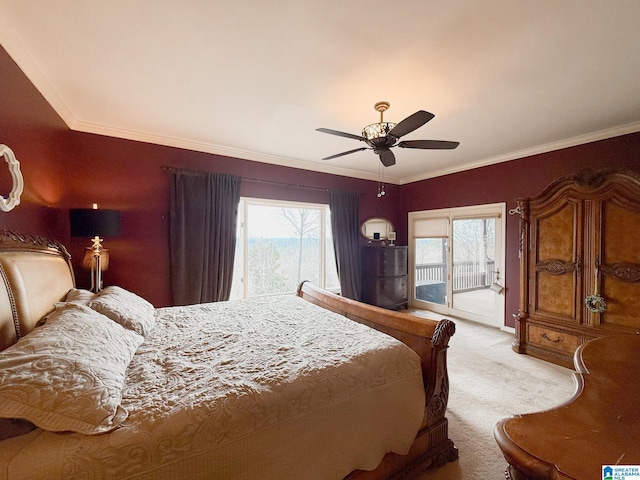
<point>466,275</point>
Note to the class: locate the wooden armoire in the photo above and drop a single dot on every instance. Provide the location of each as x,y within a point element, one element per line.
<point>580,263</point>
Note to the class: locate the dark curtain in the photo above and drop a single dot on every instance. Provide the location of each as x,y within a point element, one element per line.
<point>203,218</point>
<point>345,227</point>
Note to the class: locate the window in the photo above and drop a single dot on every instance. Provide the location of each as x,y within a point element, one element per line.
<point>279,244</point>
<point>456,257</point>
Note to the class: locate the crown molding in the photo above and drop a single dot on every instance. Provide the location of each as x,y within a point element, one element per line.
<point>528,152</point>
<point>205,147</point>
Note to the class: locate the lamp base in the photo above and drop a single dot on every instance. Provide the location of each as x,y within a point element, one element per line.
<point>96,259</point>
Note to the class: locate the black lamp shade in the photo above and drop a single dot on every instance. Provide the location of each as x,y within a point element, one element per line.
<point>89,222</point>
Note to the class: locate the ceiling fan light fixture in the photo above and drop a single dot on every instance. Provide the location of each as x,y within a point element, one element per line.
<point>377,130</point>
<point>382,136</point>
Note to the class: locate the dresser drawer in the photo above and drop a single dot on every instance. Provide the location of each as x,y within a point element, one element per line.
<point>543,336</point>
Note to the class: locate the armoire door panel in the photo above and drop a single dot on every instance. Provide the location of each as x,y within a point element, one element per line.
<point>623,302</point>
<point>555,234</point>
<point>619,261</point>
<point>555,261</point>
<point>555,296</point>
<point>621,229</point>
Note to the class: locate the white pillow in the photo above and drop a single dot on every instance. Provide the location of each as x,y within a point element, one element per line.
<point>78,295</point>
<point>68,374</point>
<point>126,308</point>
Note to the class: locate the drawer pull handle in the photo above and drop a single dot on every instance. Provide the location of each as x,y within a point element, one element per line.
<point>548,339</point>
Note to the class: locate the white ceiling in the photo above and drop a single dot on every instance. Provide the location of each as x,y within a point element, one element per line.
<point>254,78</point>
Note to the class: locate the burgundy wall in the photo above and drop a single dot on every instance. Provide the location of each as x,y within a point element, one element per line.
<point>127,176</point>
<point>65,169</point>
<point>38,137</point>
<point>505,182</point>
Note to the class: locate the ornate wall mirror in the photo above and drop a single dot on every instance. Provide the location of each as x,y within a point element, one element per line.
<point>376,228</point>
<point>13,199</point>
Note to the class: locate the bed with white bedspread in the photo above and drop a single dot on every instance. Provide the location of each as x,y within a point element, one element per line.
<point>273,387</point>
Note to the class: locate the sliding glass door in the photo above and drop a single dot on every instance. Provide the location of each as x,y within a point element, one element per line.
<point>474,265</point>
<point>456,259</point>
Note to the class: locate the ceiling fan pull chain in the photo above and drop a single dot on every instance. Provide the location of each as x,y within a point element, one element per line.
<point>381,191</point>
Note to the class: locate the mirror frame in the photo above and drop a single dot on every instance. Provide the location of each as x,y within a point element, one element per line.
<point>374,225</point>
<point>9,203</point>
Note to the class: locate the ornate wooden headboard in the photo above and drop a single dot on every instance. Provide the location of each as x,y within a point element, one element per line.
<point>35,273</point>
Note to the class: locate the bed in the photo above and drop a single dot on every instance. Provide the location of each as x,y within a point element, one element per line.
<point>292,386</point>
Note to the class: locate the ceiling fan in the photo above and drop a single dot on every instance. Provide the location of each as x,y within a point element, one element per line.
<point>382,136</point>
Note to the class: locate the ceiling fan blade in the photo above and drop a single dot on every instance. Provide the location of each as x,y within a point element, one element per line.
<point>429,144</point>
<point>410,123</point>
<point>345,153</point>
<point>387,158</point>
<point>340,134</point>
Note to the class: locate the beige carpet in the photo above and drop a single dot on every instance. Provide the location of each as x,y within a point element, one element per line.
<point>489,381</point>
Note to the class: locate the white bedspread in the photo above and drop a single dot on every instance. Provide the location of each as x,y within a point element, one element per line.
<point>254,389</point>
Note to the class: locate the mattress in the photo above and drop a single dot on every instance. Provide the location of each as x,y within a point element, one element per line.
<point>273,387</point>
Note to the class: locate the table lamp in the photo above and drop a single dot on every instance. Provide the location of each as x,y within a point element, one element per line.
<point>95,223</point>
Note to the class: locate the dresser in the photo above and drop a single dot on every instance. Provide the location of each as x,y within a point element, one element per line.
<point>580,263</point>
<point>384,276</point>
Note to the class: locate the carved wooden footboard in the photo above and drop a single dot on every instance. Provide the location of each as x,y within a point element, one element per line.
<point>429,339</point>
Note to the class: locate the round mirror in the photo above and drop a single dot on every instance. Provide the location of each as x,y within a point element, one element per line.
<point>376,228</point>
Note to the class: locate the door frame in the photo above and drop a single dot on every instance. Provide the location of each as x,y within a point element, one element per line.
<point>493,210</point>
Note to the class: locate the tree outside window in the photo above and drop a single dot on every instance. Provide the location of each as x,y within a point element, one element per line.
<point>279,244</point>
